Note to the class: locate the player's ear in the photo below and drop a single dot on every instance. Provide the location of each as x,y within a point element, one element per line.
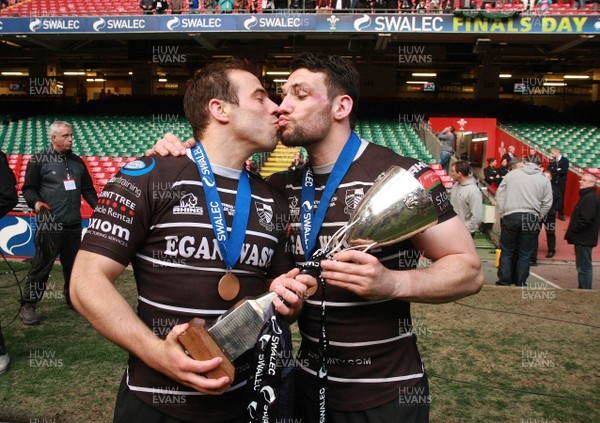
<point>219,110</point>
<point>342,107</point>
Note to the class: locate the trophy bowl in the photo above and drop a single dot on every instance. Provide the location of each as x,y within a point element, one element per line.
<point>395,208</point>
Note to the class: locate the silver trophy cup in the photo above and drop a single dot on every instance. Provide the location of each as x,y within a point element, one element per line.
<point>395,208</point>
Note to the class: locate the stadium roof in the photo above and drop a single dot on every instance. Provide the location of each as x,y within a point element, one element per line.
<point>455,50</point>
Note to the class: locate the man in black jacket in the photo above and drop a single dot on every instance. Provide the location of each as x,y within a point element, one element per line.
<point>8,199</point>
<point>559,166</point>
<point>55,180</point>
<point>583,228</point>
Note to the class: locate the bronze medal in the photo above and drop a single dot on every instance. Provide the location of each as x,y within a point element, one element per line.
<point>311,291</point>
<point>229,286</point>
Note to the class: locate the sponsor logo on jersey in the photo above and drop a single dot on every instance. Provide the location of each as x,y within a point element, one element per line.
<point>116,209</point>
<point>138,168</point>
<point>109,230</point>
<point>294,209</point>
<point>203,248</point>
<point>353,199</point>
<point>265,216</point>
<point>188,205</point>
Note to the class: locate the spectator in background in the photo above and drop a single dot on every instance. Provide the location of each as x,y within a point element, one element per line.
<point>225,6</point>
<point>147,6</point>
<point>491,174</point>
<point>421,7</point>
<point>544,5</point>
<point>176,7</point>
<point>550,220</point>
<point>503,169</point>
<point>583,229</point>
<point>559,166</point>
<point>406,6</point>
<point>449,7</point>
<point>161,6</point>
<point>523,199</point>
<point>466,197</point>
<point>194,7</point>
<point>8,192</point>
<point>8,200</point>
<point>55,181</point>
<point>533,157</point>
<point>509,155</point>
<point>434,7</point>
<point>448,140</point>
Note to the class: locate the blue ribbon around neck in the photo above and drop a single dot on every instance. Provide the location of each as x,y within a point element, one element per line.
<point>229,245</point>
<point>311,220</point>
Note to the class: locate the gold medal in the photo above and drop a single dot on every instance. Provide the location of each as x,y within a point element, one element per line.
<point>311,291</point>
<point>229,286</point>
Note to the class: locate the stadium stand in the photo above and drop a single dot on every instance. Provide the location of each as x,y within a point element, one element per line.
<point>108,141</point>
<point>580,143</point>
<point>131,7</point>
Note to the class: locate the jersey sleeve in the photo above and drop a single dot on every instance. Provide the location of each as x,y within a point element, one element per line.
<point>122,216</point>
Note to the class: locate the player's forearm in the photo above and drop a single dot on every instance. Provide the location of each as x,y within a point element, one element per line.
<point>96,298</point>
<point>448,279</point>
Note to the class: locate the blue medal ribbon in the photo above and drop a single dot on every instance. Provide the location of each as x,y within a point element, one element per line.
<point>311,220</point>
<point>230,246</point>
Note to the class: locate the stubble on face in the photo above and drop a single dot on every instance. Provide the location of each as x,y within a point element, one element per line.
<point>309,131</point>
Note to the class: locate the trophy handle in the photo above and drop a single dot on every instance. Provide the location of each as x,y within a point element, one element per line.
<point>200,346</point>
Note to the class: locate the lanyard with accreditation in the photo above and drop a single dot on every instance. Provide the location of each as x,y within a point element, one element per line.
<point>311,222</point>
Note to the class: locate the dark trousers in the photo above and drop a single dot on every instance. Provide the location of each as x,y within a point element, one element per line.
<point>518,237</point>
<point>49,244</point>
<point>549,222</point>
<point>583,261</point>
<point>130,409</point>
<point>550,227</point>
<point>412,406</point>
<point>562,186</point>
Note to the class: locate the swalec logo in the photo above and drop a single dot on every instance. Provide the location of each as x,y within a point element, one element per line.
<point>362,23</point>
<point>173,23</point>
<point>251,22</point>
<point>15,236</point>
<point>35,24</point>
<point>99,25</point>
